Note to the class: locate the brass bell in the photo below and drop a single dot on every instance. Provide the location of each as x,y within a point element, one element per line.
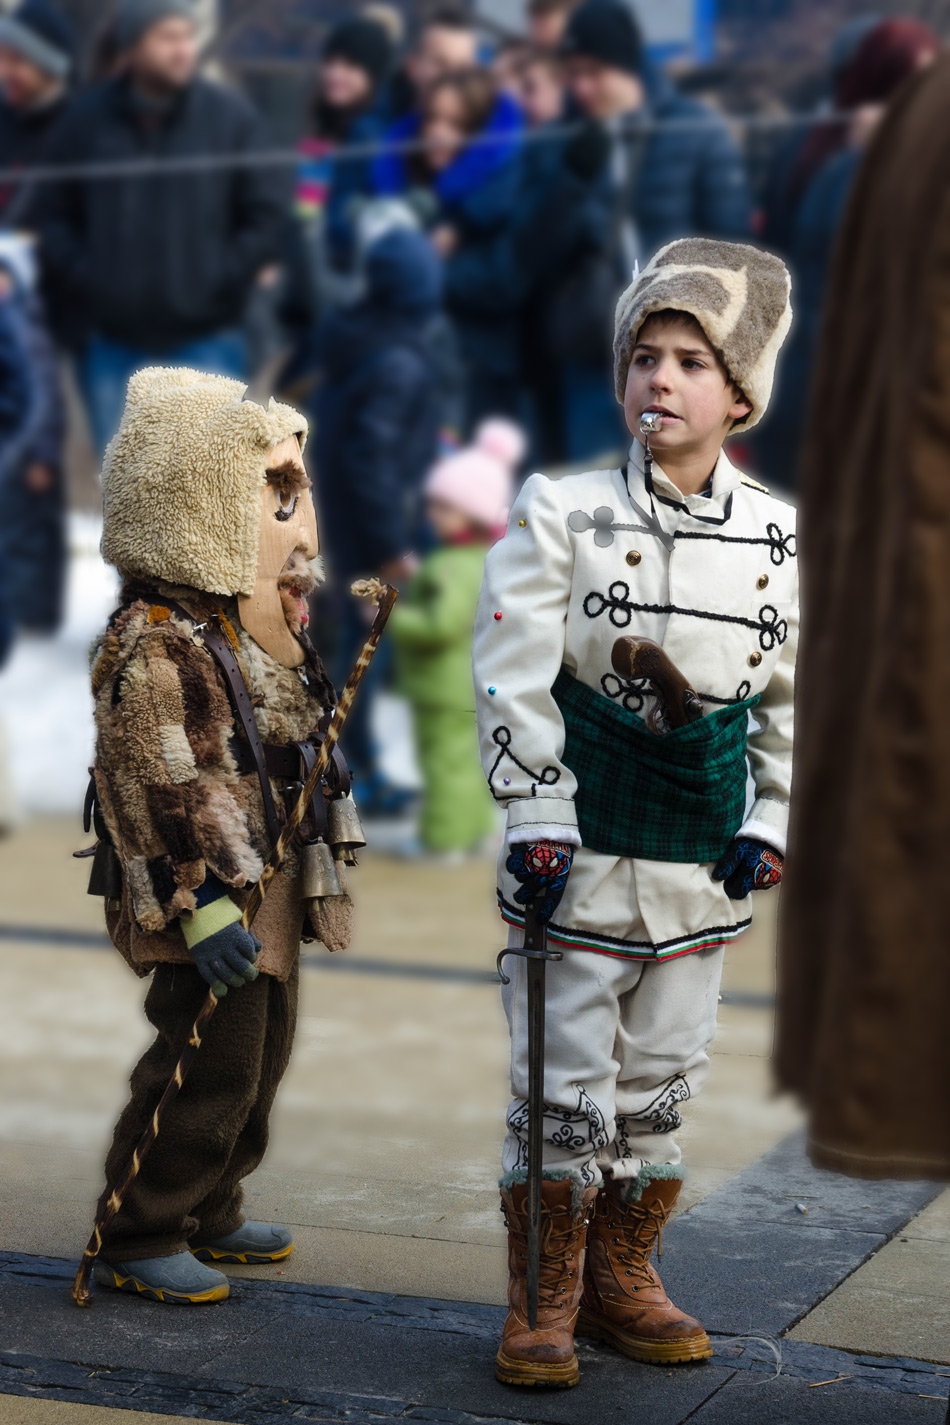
<point>344,831</point>
<point>319,871</point>
<point>105,878</point>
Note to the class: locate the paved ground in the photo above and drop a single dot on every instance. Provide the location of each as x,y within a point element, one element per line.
<point>384,1154</point>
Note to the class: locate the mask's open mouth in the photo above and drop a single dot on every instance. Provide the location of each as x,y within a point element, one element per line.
<point>297,582</point>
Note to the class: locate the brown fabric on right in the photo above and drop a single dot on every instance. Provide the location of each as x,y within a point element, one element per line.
<point>215,1132</point>
<point>864,964</point>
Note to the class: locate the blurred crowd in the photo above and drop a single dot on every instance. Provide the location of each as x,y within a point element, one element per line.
<point>433,280</point>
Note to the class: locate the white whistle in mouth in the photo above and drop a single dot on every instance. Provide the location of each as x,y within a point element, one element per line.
<point>650,422</point>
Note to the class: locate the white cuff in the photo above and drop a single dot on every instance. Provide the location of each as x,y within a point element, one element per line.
<point>543,831</point>
<point>533,819</point>
<point>767,822</point>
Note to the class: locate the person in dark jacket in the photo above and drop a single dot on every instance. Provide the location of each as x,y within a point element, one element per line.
<point>474,186</point>
<point>37,44</point>
<point>890,54</point>
<point>160,264</point>
<point>348,110</point>
<point>648,166</point>
<point>377,421</point>
<point>33,525</point>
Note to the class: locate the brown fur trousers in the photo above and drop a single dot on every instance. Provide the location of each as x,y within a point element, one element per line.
<point>215,1133</point>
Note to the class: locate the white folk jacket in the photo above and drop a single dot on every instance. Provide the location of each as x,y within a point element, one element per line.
<point>714,580</point>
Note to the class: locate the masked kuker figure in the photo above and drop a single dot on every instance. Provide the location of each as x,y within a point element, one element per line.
<point>208,695</point>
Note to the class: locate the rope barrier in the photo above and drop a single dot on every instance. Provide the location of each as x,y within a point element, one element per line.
<point>103,170</point>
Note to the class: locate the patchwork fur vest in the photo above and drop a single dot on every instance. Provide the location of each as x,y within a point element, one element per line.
<point>172,794</point>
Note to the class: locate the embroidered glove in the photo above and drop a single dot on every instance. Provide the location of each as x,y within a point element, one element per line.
<point>223,951</point>
<point>748,866</point>
<point>543,870</point>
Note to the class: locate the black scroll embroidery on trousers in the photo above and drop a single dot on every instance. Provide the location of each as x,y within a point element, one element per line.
<point>502,740</point>
<point>583,1130</point>
<point>619,607</point>
<point>780,546</point>
<point>662,1114</point>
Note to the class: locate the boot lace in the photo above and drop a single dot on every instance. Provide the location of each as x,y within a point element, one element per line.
<point>640,1227</point>
<point>558,1262</point>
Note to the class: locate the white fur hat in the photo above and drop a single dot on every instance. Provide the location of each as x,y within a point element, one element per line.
<point>737,293</point>
<point>182,479</point>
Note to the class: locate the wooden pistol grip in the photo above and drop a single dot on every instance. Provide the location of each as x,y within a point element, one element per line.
<point>644,658</point>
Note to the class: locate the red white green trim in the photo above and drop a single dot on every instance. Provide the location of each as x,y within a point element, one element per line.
<point>709,939</point>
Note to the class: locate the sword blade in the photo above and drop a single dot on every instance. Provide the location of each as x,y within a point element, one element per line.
<point>535,939</point>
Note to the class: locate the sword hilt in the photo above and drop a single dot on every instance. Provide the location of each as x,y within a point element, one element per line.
<point>526,953</point>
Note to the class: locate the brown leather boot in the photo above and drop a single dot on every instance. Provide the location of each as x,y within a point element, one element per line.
<point>544,1356</point>
<point>624,1302</point>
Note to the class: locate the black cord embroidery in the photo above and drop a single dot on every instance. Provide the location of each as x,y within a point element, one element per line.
<point>662,1113</point>
<point>631,692</point>
<point>502,740</point>
<point>742,692</point>
<point>617,604</point>
<point>780,546</point>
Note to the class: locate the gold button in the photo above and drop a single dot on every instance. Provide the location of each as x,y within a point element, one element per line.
<point>755,659</point>
<point>762,582</point>
<point>634,556</point>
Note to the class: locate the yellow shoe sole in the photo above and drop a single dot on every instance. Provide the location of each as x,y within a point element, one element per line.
<point>554,1377</point>
<point>240,1259</point>
<point>640,1348</point>
<point>162,1294</point>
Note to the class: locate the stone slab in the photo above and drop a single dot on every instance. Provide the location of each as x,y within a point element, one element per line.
<point>898,1303</point>
<point>746,1258</point>
<point>760,1277</point>
<point>777,1185</point>
<point>747,1400</point>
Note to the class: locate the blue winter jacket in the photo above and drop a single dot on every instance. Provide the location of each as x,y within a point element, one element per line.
<point>691,181</point>
<point>477,195</point>
<point>814,232</point>
<point>378,412</point>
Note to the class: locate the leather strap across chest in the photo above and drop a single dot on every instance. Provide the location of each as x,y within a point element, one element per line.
<point>221,651</point>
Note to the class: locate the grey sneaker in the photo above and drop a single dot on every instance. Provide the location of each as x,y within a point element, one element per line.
<point>178,1279</point>
<point>254,1244</point>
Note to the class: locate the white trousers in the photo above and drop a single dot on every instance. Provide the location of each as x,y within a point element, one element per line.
<point>626,1044</point>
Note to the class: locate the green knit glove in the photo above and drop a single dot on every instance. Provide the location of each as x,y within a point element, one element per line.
<point>223,951</point>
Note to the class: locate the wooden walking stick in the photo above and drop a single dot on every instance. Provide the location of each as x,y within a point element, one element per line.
<point>385,597</point>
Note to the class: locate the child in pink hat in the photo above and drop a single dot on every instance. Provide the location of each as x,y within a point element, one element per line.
<point>468,495</point>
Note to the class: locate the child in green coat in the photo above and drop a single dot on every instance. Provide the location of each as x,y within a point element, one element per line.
<point>467,499</point>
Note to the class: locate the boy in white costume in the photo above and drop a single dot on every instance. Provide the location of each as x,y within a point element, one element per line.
<point>638,849</point>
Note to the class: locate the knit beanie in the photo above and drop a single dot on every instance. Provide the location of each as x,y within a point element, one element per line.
<point>39,32</point>
<point>606,31</point>
<point>134,18</point>
<point>737,293</point>
<point>479,480</point>
<point>363,43</point>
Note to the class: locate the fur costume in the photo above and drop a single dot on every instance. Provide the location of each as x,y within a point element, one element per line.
<point>738,294</point>
<point>170,791</point>
<point>206,505</point>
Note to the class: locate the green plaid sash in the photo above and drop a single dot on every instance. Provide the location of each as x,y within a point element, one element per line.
<point>676,797</point>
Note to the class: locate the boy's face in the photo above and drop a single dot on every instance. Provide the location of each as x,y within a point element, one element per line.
<point>674,370</point>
